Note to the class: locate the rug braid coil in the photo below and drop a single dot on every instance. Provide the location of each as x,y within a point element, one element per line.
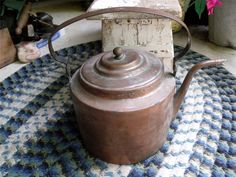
<point>39,135</point>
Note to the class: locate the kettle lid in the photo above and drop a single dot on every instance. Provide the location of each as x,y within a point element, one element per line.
<point>122,73</point>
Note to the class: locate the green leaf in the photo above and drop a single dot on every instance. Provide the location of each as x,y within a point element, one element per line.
<point>200,6</point>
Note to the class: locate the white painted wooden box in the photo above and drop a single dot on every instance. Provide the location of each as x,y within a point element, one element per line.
<point>135,30</point>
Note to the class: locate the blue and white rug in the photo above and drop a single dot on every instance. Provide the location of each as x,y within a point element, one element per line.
<point>39,136</point>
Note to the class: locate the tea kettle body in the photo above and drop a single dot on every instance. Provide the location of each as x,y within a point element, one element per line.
<point>123,99</point>
<point>124,106</point>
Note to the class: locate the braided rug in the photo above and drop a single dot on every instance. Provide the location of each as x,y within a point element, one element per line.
<point>39,135</point>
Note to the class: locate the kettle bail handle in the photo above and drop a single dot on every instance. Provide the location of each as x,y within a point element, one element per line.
<point>117,10</point>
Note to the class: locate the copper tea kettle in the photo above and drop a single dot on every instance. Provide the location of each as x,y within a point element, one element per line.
<point>124,101</point>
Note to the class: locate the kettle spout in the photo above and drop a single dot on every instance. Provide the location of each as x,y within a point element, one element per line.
<point>180,94</point>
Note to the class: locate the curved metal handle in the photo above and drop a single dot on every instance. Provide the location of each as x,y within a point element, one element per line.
<point>119,10</point>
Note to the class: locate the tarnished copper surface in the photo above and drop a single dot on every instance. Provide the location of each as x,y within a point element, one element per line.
<point>134,75</point>
<point>124,130</point>
<point>124,102</point>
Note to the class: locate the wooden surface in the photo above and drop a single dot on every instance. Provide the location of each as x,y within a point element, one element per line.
<point>7,48</point>
<point>154,35</point>
<point>137,30</point>
<point>171,6</point>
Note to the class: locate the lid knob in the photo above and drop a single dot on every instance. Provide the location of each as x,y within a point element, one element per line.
<point>118,52</point>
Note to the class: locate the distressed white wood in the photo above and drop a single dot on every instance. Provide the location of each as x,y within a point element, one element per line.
<point>154,35</point>
<point>171,6</point>
<point>136,30</point>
